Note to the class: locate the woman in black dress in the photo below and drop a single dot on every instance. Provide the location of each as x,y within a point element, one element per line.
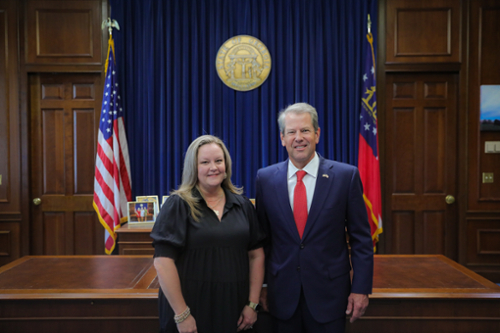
<point>208,248</point>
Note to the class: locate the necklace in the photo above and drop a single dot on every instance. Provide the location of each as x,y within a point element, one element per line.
<point>215,205</point>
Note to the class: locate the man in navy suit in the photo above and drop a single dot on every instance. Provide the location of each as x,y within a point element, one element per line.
<point>309,285</point>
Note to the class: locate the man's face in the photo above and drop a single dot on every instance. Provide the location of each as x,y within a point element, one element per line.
<point>299,138</point>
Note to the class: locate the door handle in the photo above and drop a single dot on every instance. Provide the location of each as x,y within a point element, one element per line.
<point>450,199</point>
<point>37,201</point>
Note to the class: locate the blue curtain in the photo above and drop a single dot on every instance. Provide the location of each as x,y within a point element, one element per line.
<point>166,52</point>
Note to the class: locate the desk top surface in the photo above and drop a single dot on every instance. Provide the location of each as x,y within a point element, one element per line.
<point>395,276</point>
<point>428,276</point>
<point>79,277</point>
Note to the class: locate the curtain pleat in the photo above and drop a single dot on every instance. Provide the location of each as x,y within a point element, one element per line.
<point>166,52</point>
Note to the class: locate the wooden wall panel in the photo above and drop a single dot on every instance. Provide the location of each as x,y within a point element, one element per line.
<point>53,154</point>
<point>404,135</point>
<point>5,242</point>
<point>63,32</point>
<point>489,26</point>
<point>54,233</point>
<point>84,91</point>
<point>4,109</point>
<point>10,151</point>
<point>485,69</point>
<point>90,235</point>
<point>9,116</point>
<point>83,128</point>
<point>53,91</point>
<point>489,65</point>
<point>423,31</point>
<point>483,246</point>
<point>404,230</point>
<point>489,192</point>
<point>434,146</point>
<point>434,229</point>
<point>490,42</point>
<point>10,238</point>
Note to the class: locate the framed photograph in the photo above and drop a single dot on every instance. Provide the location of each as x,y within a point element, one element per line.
<point>149,198</point>
<point>490,108</point>
<point>163,199</point>
<point>141,212</point>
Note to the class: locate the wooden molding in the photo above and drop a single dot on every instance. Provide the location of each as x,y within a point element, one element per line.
<point>53,27</point>
<point>423,31</point>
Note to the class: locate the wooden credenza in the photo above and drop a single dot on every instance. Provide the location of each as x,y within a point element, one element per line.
<point>134,239</point>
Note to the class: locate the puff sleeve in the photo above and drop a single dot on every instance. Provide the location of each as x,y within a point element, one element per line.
<point>257,234</point>
<point>170,229</point>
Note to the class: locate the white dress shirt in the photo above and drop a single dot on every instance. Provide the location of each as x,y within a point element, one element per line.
<point>309,179</point>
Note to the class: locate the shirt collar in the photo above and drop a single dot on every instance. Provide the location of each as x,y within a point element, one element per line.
<point>311,168</point>
<point>230,197</point>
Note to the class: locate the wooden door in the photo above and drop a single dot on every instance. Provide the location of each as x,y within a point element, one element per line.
<point>421,164</point>
<point>64,113</point>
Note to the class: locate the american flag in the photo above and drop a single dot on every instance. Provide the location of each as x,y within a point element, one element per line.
<point>112,184</point>
<point>368,161</point>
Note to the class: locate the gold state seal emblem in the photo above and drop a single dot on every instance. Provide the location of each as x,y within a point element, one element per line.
<point>243,63</point>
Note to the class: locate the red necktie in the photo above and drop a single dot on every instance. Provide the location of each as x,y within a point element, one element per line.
<point>300,203</point>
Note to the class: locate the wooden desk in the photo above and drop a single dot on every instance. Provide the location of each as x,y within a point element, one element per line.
<point>119,294</point>
<point>79,294</point>
<point>429,293</point>
<point>133,239</point>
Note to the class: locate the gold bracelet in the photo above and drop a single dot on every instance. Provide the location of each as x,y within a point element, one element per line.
<point>183,316</point>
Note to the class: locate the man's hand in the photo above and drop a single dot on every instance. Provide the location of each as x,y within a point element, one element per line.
<point>356,304</point>
<point>263,299</point>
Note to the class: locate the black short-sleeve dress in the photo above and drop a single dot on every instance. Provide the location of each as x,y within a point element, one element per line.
<point>211,257</point>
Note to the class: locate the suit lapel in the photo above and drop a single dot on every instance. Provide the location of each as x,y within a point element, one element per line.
<point>324,182</point>
<point>281,186</point>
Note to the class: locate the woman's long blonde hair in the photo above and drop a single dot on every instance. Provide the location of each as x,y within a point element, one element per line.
<point>190,173</point>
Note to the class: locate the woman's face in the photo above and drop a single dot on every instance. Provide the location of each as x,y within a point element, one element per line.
<point>211,166</point>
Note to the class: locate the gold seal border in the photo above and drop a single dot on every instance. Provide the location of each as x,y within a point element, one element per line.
<point>234,41</point>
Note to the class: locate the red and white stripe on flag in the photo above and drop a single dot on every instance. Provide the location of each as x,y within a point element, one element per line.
<point>112,184</point>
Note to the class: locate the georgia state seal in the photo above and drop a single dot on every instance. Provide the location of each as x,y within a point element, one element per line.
<point>243,63</point>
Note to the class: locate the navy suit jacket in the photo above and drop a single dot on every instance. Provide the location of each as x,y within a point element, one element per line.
<point>319,262</point>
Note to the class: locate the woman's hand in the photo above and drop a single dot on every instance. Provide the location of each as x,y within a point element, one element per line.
<point>188,325</point>
<point>248,317</point>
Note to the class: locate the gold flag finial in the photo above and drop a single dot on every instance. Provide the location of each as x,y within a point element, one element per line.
<point>369,24</point>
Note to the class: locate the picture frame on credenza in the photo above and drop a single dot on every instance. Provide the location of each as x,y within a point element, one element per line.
<point>150,198</point>
<point>141,212</point>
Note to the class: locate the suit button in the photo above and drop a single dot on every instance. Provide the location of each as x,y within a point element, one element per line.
<point>302,246</point>
<point>298,268</point>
